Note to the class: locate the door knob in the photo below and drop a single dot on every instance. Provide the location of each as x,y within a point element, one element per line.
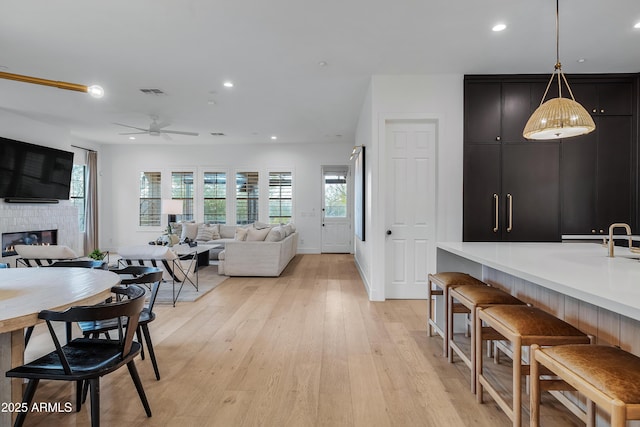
<point>388,232</point>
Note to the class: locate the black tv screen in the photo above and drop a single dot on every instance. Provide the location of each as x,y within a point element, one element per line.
<point>29,171</point>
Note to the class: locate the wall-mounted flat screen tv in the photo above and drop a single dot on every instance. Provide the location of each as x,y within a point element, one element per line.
<point>29,171</point>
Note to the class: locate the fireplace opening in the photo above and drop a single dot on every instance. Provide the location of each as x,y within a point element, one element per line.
<point>34,237</point>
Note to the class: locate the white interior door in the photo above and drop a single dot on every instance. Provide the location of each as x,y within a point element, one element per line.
<point>410,208</point>
<point>336,214</point>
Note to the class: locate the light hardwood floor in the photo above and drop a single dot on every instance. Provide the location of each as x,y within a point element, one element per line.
<point>304,349</point>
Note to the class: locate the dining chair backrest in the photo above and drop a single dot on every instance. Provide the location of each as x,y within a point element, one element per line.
<point>129,308</point>
<point>142,275</point>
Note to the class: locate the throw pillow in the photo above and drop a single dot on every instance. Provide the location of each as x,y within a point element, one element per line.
<point>260,225</point>
<point>254,235</point>
<point>205,233</point>
<point>241,233</point>
<point>216,232</point>
<point>275,234</point>
<point>190,230</point>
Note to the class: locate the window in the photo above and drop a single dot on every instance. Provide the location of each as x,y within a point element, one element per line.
<point>182,189</point>
<point>150,199</point>
<point>335,195</point>
<point>78,192</point>
<point>280,197</point>
<point>215,197</point>
<point>246,197</point>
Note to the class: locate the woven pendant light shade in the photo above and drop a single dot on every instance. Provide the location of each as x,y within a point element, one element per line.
<point>558,118</point>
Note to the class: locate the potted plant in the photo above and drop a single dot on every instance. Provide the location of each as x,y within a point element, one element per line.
<point>97,254</point>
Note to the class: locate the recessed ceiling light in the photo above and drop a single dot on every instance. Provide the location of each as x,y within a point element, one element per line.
<point>637,25</point>
<point>132,137</point>
<point>227,84</point>
<point>322,63</point>
<point>582,60</point>
<point>274,137</point>
<point>499,27</point>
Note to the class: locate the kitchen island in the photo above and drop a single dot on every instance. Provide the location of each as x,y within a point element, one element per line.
<point>576,282</point>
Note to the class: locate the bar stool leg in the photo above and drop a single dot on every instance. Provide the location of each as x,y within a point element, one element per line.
<point>534,397</point>
<point>517,384</point>
<point>478,360</point>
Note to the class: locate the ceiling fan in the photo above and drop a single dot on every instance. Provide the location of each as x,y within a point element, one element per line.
<point>156,129</point>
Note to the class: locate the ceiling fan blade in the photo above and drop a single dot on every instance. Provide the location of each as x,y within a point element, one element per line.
<point>132,127</point>
<point>166,137</point>
<point>177,132</point>
<point>133,133</point>
<point>162,124</point>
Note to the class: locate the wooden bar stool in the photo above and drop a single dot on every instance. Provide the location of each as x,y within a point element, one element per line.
<point>471,297</point>
<point>439,284</point>
<point>521,325</point>
<point>608,376</point>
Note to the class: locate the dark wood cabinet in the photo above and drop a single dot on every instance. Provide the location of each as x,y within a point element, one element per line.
<point>511,192</point>
<point>482,112</point>
<point>613,98</point>
<point>597,177</point>
<point>518,190</point>
<point>511,186</point>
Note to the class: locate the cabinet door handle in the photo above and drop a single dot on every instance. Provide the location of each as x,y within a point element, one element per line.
<point>496,202</point>
<point>510,200</point>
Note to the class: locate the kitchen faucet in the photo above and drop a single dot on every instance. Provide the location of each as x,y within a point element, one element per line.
<point>618,225</point>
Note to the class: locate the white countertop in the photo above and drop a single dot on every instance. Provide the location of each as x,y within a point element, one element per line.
<point>580,270</point>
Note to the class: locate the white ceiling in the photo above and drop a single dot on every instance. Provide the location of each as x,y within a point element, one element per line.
<point>271,50</point>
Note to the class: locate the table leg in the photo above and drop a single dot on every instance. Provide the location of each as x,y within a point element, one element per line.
<point>11,355</point>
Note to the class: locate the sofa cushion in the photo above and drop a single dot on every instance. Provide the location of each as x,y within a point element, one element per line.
<point>45,252</point>
<point>227,231</point>
<point>255,235</point>
<point>189,230</point>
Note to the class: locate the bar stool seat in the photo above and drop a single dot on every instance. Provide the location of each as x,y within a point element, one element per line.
<point>608,376</point>
<point>521,325</point>
<point>471,297</point>
<point>439,284</point>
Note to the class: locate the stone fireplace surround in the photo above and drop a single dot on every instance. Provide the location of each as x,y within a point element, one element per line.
<point>63,216</point>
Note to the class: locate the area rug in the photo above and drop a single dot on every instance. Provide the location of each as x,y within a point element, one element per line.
<point>207,281</point>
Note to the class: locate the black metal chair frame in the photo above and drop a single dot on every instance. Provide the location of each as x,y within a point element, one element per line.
<point>87,359</point>
<point>171,266</point>
<point>140,275</point>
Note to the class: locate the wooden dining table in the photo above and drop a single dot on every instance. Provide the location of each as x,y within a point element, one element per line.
<point>24,292</point>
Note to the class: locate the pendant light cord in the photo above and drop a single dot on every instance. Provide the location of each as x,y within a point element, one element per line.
<point>558,66</point>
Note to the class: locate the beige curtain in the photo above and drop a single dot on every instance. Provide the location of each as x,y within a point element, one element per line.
<point>91,213</point>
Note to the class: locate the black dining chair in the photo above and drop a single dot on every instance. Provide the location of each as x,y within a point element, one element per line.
<point>101,265</point>
<point>151,277</point>
<point>88,359</point>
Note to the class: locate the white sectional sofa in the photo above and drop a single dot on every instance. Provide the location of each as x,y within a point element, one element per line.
<point>245,250</point>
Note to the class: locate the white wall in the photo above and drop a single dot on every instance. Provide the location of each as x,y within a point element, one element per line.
<point>121,166</point>
<point>411,96</point>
